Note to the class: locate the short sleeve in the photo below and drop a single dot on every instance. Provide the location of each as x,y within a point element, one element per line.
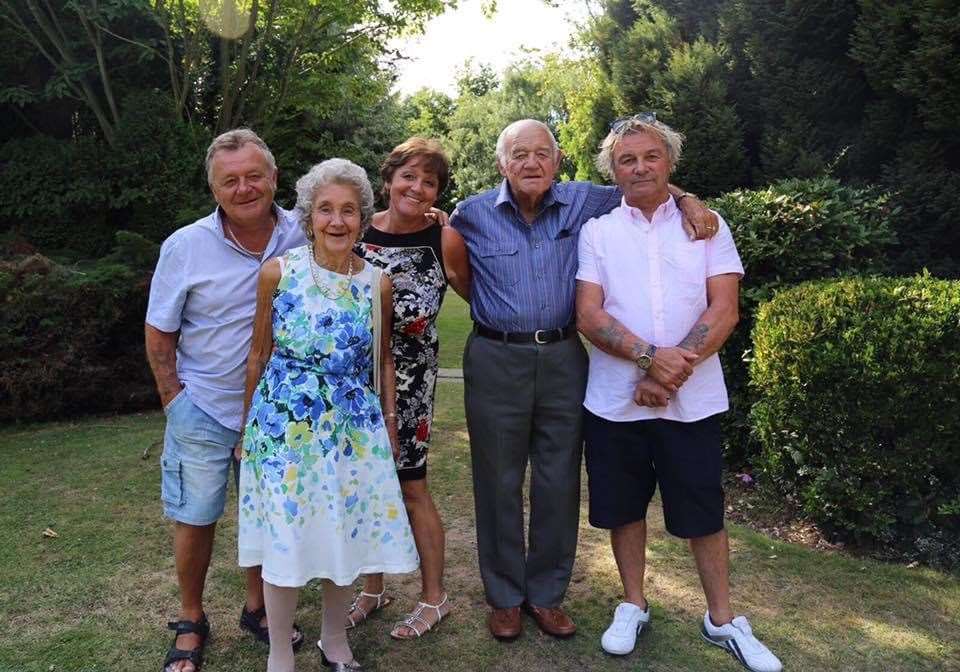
<point>587,268</point>
<point>722,255</point>
<point>168,288</point>
<point>457,220</point>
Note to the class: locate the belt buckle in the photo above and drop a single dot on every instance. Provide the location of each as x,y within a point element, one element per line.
<point>536,336</point>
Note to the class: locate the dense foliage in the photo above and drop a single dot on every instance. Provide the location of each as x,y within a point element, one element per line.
<point>110,105</point>
<point>71,338</point>
<point>863,90</point>
<point>792,231</point>
<point>859,408</point>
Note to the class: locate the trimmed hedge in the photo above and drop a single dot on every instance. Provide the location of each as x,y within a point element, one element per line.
<point>71,339</point>
<point>859,408</point>
<point>789,232</point>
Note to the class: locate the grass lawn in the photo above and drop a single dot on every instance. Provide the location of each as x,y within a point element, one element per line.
<point>454,325</point>
<point>97,597</point>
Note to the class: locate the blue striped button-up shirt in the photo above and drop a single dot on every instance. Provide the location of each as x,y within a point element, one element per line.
<point>523,275</point>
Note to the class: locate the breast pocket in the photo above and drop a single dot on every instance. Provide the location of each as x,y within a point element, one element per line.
<point>502,263</point>
<point>687,268</point>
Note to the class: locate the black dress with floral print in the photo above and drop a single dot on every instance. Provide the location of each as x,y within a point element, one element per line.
<point>414,262</point>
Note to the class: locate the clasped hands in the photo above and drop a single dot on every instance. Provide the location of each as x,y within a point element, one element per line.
<point>669,370</point>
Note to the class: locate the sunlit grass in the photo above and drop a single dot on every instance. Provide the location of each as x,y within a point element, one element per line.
<point>97,597</point>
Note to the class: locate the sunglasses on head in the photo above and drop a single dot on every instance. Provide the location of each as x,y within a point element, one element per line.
<point>644,117</point>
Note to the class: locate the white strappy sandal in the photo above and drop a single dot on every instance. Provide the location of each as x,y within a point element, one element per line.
<point>416,622</point>
<point>356,615</point>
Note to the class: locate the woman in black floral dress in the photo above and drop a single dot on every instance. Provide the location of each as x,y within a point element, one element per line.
<point>421,259</point>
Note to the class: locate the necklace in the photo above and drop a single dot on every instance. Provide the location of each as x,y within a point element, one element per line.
<point>243,248</point>
<point>342,288</point>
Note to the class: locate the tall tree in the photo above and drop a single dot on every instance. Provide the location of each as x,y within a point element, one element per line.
<point>227,62</point>
<point>78,42</point>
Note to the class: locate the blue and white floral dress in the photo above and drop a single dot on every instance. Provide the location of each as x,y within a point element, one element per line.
<point>319,495</point>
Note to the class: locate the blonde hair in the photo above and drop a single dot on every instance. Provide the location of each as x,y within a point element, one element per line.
<point>671,139</point>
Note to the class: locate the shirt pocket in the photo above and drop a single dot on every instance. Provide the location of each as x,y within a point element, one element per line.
<point>502,261</point>
<point>686,266</point>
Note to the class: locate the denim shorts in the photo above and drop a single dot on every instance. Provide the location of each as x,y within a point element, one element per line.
<point>195,465</point>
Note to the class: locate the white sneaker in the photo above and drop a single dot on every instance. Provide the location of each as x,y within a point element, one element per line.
<point>628,621</point>
<point>737,638</point>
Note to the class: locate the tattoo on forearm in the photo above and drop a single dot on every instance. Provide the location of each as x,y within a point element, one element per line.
<point>695,339</point>
<point>612,334</point>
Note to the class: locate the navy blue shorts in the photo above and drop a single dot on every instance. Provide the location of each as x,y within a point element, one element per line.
<point>626,461</point>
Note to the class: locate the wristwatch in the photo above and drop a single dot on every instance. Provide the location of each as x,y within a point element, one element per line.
<point>680,197</point>
<point>645,358</point>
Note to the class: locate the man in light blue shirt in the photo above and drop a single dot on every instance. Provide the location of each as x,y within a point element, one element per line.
<point>525,372</point>
<point>198,328</point>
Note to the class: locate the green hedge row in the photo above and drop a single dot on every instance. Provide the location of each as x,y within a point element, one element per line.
<point>792,231</point>
<point>858,411</point>
<point>71,338</point>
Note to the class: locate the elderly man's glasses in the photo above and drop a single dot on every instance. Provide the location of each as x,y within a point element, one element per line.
<point>645,117</point>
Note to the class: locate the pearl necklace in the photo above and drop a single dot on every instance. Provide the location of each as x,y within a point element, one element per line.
<point>343,288</point>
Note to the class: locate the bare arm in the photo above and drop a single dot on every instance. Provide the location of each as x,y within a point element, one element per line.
<point>161,349</point>
<point>670,367</point>
<point>262,346</point>
<point>699,221</point>
<point>456,261</point>
<point>706,337</point>
<point>388,373</point>
<point>715,325</point>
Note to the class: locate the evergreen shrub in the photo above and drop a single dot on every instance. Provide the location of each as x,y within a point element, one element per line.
<point>859,408</point>
<point>68,197</point>
<point>787,233</point>
<point>71,338</point>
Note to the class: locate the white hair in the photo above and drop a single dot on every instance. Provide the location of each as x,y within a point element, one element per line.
<point>507,133</point>
<point>233,140</point>
<point>333,171</point>
<point>671,139</point>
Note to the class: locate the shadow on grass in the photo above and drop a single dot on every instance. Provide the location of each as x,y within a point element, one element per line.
<point>97,596</point>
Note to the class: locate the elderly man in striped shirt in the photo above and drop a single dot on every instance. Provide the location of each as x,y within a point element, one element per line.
<point>525,372</point>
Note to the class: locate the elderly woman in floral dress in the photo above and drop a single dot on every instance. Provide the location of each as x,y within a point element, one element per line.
<point>319,495</point>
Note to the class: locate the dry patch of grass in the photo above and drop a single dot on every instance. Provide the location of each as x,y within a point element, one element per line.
<point>97,597</point>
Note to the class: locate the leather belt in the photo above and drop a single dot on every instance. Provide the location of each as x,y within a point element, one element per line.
<point>540,336</point>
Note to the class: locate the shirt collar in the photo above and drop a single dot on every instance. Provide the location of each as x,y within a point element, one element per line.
<point>666,209</point>
<point>553,195</point>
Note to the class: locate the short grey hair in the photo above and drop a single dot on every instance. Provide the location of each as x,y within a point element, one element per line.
<point>672,140</point>
<point>507,133</point>
<point>333,171</point>
<point>233,140</point>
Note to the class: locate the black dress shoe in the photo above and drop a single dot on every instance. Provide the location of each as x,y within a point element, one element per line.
<point>337,667</point>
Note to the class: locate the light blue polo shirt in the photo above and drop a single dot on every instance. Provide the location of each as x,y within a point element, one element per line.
<point>205,287</point>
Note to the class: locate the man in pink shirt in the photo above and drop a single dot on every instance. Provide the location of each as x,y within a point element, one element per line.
<point>657,307</point>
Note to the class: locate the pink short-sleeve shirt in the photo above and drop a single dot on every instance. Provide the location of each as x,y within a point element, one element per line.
<point>654,282</point>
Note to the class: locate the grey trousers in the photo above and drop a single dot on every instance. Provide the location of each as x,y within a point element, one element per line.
<point>524,404</point>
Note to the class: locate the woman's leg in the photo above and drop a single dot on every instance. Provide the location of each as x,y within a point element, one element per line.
<point>428,535</point>
<point>281,604</point>
<point>333,632</point>
<point>430,539</point>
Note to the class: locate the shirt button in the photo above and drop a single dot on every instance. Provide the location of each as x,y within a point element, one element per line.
<point>537,246</point>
